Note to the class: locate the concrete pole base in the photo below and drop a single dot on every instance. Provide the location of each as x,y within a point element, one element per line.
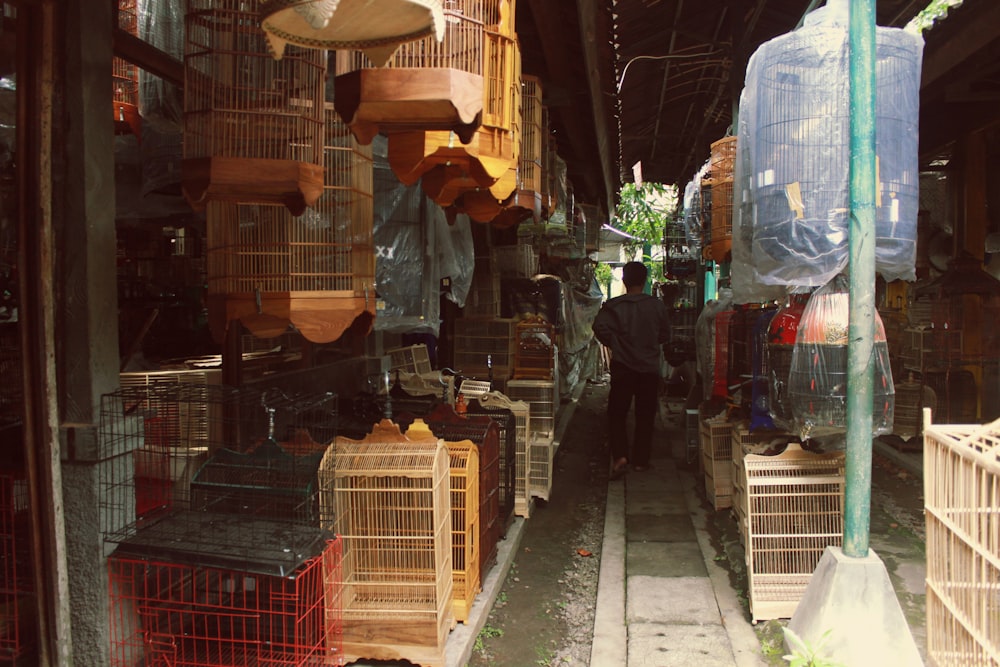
<point>853,599</point>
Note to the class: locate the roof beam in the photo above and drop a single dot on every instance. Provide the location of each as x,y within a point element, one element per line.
<point>587,11</point>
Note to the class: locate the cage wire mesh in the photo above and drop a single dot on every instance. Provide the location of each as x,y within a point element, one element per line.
<point>18,631</point>
<point>506,422</point>
<point>796,114</point>
<point>388,497</point>
<point>795,510</point>
<point>214,474</point>
<point>176,614</point>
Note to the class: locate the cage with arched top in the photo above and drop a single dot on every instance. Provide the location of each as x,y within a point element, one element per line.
<point>388,497</point>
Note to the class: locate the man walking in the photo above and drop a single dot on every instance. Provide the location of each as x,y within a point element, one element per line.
<point>633,327</point>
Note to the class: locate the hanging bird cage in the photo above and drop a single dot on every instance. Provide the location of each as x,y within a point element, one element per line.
<point>445,165</point>
<point>426,84</point>
<point>375,26</point>
<point>269,269</point>
<point>781,334</point>
<point>527,201</point>
<point>796,113</point>
<point>125,77</point>
<point>388,498</point>
<point>253,126</point>
<point>721,183</point>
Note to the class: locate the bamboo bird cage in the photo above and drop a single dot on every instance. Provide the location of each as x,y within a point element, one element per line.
<point>526,202</point>
<point>388,497</point>
<point>425,85</point>
<point>125,77</point>
<point>375,26</point>
<point>494,401</point>
<point>269,269</point>
<point>253,125</point>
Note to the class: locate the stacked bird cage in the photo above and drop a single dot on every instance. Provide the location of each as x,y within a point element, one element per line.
<point>962,478</point>
<point>450,426</point>
<point>493,402</point>
<point>489,404</point>
<point>18,634</point>
<point>270,269</point>
<point>166,612</point>
<point>720,370</point>
<point>750,441</point>
<point>241,481</point>
<point>484,348</point>
<point>717,454</point>
<point>388,498</point>
<point>253,125</point>
<point>410,359</point>
<point>542,397</point>
<point>534,351</point>
<point>795,510</point>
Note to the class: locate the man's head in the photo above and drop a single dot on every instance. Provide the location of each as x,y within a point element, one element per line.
<point>634,274</point>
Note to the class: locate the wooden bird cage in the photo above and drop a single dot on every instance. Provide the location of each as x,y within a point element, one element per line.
<point>495,401</point>
<point>447,166</point>
<point>253,125</point>
<point>527,201</point>
<point>425,85</point>
<point>375,26</point>
<point>534,351</point>
<point>388,497</point>
<point>269,269</point>
<point>795,510</point>
<point>125,77</point>
<point>450,426</point>
<point>962,497</point>
<point>18,631</point>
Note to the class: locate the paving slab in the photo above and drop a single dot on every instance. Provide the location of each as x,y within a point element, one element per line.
<point>665,559</point>
<point>659,528</point>
<point>688,600</point>
<point>658,645</point>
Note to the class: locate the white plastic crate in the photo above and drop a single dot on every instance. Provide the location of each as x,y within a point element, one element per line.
<point>962,506</point>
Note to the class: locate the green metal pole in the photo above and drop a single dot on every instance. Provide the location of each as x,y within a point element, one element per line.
<point>861,244</point>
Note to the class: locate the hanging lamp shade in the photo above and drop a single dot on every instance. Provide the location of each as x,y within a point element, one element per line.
<point>125,77</point>
<point>447,166</point>
<point>376,27</point>
<point>253,126</point>
<point>426,84</point>
<point>315,272</point>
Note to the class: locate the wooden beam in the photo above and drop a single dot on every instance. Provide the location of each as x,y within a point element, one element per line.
<point>951,53</point>
<point>587,11</point>
<point>144,55</point>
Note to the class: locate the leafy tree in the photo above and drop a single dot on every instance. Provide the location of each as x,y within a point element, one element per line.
<point>643,212</point>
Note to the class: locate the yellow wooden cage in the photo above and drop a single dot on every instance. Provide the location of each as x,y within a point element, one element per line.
<point>388,497</point>
<point>526,202</point>
<point>253,125</point>
<point>269,269</point>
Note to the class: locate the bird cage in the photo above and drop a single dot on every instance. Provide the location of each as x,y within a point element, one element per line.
<point>526,202</point>
<point>466,551</point>
<point>720,359</point>
<point>541,454</point>
<point>534,351</point>
<point>817,382</point>
<point>388,497</point>
<point>484,347</point>
<point>961,489</point>
<point>448,168</point>
<point>542,397</point>
<point>166,612</point>
<point>486,404</point>
<point>496,401</point>
<point>716,456</point>
<point>705,199</point>
<point>253,126</point>
<point>450,426</point>
<point>425,85</point>
<point>414,359</point>
<point>759,394</point>
<point>377,27</point>
<point>238,483</point>
<point>796,113</point>
<point>125,77</point>
<point>795,510</point>
<point>721,182</point>
<point>781,334</point>
<point>269,269</point>
<point>18,634</point>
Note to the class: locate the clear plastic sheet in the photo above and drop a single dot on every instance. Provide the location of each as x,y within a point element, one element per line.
<point>456,256</point>
<point>579,311</point>
<point>693,227</point>
<point>760,402</point>
<point>406,273</point>
<point>704,333</point>
<point>161,24</point>
<point>795,122</point>
<point>817,383</point>
<point>562,192</point>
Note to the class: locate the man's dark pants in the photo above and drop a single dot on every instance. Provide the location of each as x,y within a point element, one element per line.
<point>626,385</point>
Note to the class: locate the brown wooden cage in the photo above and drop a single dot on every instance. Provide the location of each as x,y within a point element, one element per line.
<point>267,268</point>
<point>253,125</point>
<point>125,77</point>
<point>388,497</point>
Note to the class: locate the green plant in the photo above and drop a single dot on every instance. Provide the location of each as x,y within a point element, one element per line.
<point>488,632</point>
<point>805,655</point>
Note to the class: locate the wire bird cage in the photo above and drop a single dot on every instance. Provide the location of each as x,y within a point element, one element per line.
<point>484,347</point>
<point>466,520</point>
<point>720,357</point>
<point>425,85</point>
<point>795,510</point>
<point>450,426</point>
<point>534,353</point>
<point>962,497</point>
<point>176,614</point>
<point>269,269</point>
<point>253,125</point>
<point>213,474</point>
<point>18,633</point>
<point>490,404</point>
<point>388,498</point>
<point>125,77</point>
<point>796,114</point>
<point>514,459</point>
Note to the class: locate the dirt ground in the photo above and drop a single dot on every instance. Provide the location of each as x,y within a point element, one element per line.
<point>544,614</point>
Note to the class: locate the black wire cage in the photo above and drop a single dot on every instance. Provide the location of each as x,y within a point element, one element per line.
<point>214,474</point>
